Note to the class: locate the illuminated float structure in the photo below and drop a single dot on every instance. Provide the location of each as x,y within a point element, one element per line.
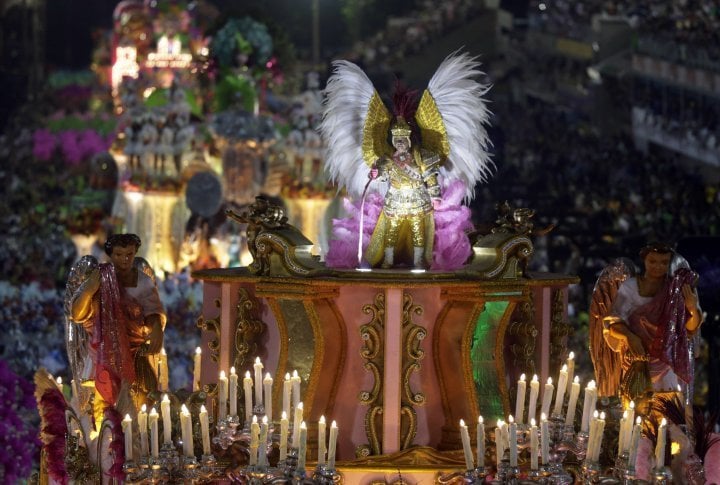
<point>396,357</point>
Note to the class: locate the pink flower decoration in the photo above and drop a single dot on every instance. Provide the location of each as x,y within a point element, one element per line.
<point>43,144</point>
<point>70,147</point>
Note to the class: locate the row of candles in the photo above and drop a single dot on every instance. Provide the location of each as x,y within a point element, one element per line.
<point>228,397</point>
<point>259,435</point>
<point>592,423</point>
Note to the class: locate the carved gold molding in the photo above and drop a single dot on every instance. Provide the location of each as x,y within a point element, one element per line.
<point>212,325</point>
<point>413,335</point>
<point>559,329</point>
<point>524,332</point>
<point>247,329</point>
<point>373,353</point>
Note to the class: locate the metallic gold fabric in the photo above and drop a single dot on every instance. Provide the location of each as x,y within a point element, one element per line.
<point>432,128</point>
<point>406,220</point>
<point>375,131</point>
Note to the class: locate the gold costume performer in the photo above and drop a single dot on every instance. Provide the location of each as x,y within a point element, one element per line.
<point>449,144</point>
<point>406,227</point>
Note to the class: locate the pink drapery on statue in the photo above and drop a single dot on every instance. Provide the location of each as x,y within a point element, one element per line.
<point>114,361</point>
<point>660,324</point>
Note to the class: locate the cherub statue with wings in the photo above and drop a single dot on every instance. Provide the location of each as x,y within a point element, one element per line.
<point>410,169</point>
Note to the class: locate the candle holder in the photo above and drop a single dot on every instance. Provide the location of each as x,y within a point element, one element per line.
<point>158,473</point>
<point>629,476</point>
<point>558,450</point>
<point>325,476</point>
<point>540,475</point>
<point>190,469</point>
<point>133,472</point>
<point>502,471</point>
<point>577,446</point>
<point>662,476</point>
<point>621,465</point>
<point>290,462</point>
<point>590,472</point>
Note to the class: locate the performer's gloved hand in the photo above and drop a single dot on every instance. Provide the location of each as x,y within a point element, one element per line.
<point>436,202</point>
<point>373,173</point>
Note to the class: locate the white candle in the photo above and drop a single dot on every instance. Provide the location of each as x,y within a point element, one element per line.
<point>467,450</point>
<point>547,397</point>
<point>599,434</point>
<point>247,390</point>
<point>570,366</point>
<point>302,449</point>
<point>254,440</point>
<point>534,445</point>
<point>629,426</point>
<point>588,406</point>
<point>295,388</point>
<point>513,441</point>
<point>233,389</point>
<point>321,441</point>
<point>167,426</point>
<point>197,369</point>
<point>287,392</point>
<point>258,380</point>
<point>499,447</point>
<point>332,445</point>
<point>163,377</point>
<point>635,442</point>
<point>154,445</point>
<point>186,429</point>
<point>660,445</point>
<point>572,403</point>
<point>205,430</point>
<point>267,383</point>
<point>127,431</point>
<point>534,391</point>
<point>59,384</point>
<point>544,440</point>
<point>142,427</point>
<point>560,395</point>
<point>622,431</point>
<point>481,442</point>
<point>222,395</point>
<point>262,449</point>
<point>298,418</point>
<point>592,434</point>
<point>284,429</point>
<point>520,399</point>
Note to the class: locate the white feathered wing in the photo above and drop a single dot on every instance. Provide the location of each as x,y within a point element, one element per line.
<point>349,93</point>
<point>458,94</point>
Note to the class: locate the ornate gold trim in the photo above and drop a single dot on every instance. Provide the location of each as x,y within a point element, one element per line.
<point>500,356</point>
<point>247,328</point>
<point>318,357</point>
<point>373,353</point>
<point>559,330</point>
<point>525,332</point>
<point>413,335</point>
<point>212,325</point>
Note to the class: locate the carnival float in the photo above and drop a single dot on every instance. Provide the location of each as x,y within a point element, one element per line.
<point>395,344</point>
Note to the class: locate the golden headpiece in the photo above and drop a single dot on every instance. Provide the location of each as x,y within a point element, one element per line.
<point>400,127</point>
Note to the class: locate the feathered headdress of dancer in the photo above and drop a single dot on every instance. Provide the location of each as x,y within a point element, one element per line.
<point>451,118</point>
